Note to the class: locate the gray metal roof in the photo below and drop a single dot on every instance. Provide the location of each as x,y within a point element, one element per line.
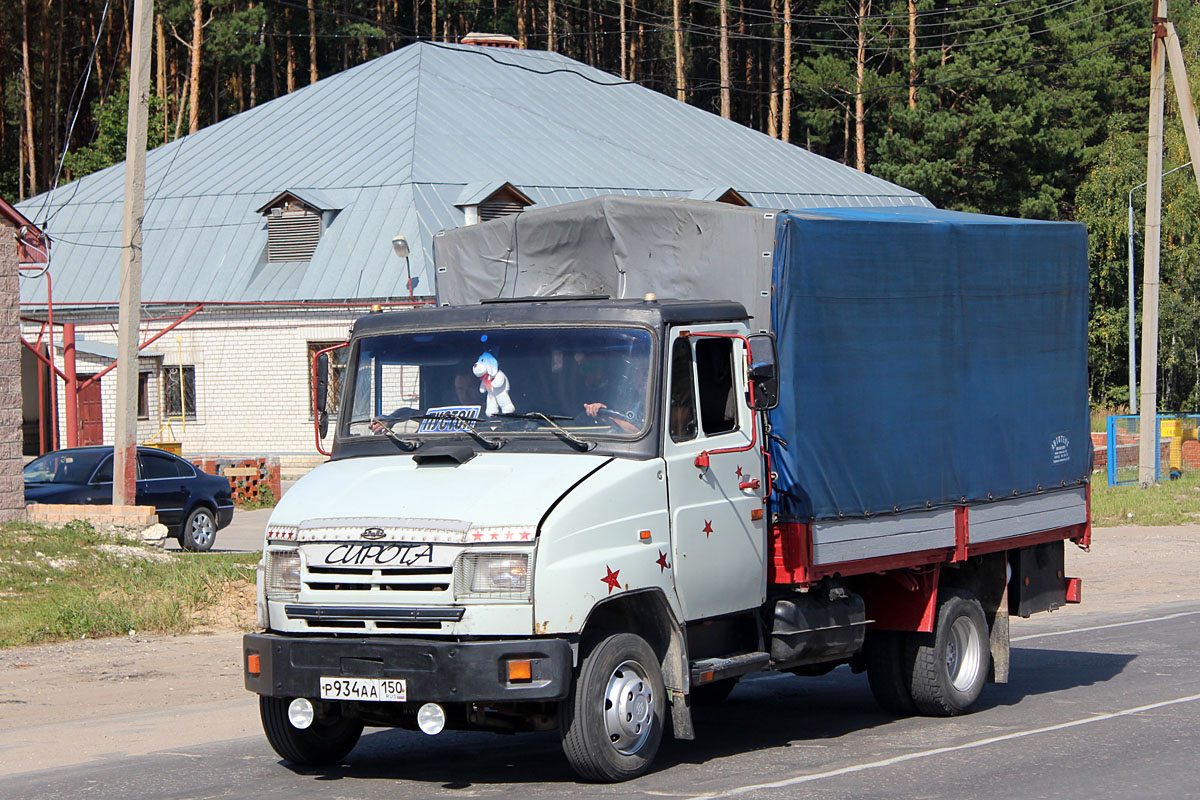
<point>394,144</point>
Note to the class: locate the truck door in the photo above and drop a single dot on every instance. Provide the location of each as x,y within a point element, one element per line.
<point>719,543</point>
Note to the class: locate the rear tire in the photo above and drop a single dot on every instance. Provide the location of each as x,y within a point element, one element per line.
<point>950,666</point>
<point>612,722</point>
<point>889,672</point>
<point>199,531</point>
<point>319,744</point>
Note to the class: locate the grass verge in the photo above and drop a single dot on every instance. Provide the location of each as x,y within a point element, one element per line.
<point>73,582</point>
<point>1168,503</point>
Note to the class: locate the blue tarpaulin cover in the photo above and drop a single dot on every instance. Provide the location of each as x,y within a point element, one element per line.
<point>929,358</point>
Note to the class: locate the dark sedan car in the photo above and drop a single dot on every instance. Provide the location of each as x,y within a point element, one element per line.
<point>191,503</point>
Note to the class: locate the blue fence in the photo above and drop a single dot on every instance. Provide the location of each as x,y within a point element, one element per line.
<point>1177,448</point>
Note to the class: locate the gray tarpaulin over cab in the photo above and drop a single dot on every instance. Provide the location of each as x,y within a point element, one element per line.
<point>613,245</point>
<point>927,357</point>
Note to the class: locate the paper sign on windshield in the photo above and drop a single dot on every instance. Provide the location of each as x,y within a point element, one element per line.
<point>449,419</point>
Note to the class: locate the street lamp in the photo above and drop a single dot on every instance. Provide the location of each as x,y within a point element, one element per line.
<point>1133,409</point>
<point>400,245</point>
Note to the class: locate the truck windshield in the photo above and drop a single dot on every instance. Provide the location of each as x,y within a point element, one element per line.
<point>588,382</point>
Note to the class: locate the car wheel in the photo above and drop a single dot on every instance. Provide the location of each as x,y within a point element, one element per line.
<point>324,742</point>
<point>612,723</point>
<point>199,531</point>
<point>950,666</point>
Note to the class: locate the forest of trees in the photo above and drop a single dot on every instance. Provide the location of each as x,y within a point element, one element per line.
<point>1015,107</point>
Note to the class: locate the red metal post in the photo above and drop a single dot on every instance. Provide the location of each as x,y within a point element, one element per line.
<point>71,385</point>
<point>53,380</point>
<point>41,404</point>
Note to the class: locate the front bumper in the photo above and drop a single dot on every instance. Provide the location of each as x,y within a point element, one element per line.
<point>436,671</point>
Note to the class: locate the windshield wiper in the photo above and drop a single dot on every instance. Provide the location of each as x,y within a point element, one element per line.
<point>563,433</point>
<point>405,444</point>
<point>490,444</point>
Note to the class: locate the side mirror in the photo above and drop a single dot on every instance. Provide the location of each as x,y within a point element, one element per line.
<point>764,371</point>
<point>321,392</point>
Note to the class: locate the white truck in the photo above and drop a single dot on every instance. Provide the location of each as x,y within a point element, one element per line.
<point>588,514</point>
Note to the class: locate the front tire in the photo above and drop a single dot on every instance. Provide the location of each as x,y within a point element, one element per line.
<point>319,744</point>
<point>612,722</point>
<point>199,531</point>
<point>950,666</point>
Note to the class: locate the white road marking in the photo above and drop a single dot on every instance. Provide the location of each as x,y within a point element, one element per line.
<point>887,762</point>
<point>1104,627</point>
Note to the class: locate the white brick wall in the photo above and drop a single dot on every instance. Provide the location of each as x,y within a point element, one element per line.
<point>252,380</point>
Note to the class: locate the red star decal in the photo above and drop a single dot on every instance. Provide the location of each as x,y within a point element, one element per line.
<point>739,472</point>
<point>707,528</point>
<point>495,536</point>
<point>525,535</point>
<point>663,566</point>
<point>477,536</point>
<point>611,579</point>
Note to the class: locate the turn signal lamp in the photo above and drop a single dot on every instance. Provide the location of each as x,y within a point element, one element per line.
<point>252,664</point>
<point>520,671</point>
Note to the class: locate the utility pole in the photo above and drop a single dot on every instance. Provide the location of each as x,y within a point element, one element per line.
<point>726,93</point>
<point>129,320</point>
<point>1165,43</point>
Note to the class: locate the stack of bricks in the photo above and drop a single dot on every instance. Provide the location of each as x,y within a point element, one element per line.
<point>247,476</point>
<point>124,516</point>
<point>12,486</point>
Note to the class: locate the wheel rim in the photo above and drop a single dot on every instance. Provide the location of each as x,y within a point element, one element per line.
<point>202,530</point>
<point>628,708</point>
<point>963,654</point>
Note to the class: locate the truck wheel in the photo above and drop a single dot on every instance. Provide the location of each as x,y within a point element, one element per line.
<point>199,531</point>
<point>888,672</point>
<point>320,743</point>
<point>612,722</point>
<point>950,665</point>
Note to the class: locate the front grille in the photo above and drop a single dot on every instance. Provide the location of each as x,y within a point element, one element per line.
<point>416,579</point>
<point>347,579</point>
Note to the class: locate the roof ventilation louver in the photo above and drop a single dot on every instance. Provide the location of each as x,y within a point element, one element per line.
<point>495,208</point>
<point>293,234</point>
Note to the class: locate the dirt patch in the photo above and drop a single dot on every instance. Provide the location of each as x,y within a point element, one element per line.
<point>233,609</point>
<point>1134,565</point>
<point>127,552</point>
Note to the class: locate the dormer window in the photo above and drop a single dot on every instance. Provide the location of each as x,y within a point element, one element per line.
<point>294,225</point>
<point>481,202</point>
<point>719,194</point>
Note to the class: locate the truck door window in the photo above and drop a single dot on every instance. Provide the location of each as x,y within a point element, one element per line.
<point>683,401</point>
<point>714,368</point>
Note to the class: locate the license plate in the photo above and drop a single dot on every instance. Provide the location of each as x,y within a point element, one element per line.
<point>369,689</point>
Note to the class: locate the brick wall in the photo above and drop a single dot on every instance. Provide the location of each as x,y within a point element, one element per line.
<point>252,381</point>
<point>58,514</point>
<point>12,489</point>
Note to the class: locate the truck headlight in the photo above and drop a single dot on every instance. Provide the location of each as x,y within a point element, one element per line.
<point>492,575</point>
<point>283,574</point>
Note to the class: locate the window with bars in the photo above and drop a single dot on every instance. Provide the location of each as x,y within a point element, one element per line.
<point>179,391</point>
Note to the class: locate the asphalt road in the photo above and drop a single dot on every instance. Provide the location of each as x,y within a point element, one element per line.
<point>1098,706</point>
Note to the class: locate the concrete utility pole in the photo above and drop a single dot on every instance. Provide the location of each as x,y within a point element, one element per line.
<point>1164,43</point>
<point>726,92</point>
<point>125,433</point>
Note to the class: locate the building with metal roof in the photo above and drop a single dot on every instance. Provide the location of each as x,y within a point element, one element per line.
<point>292,206</point>
<point>405,145</point>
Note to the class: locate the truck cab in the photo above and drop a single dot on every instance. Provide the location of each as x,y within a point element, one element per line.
<point>537,514</point>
